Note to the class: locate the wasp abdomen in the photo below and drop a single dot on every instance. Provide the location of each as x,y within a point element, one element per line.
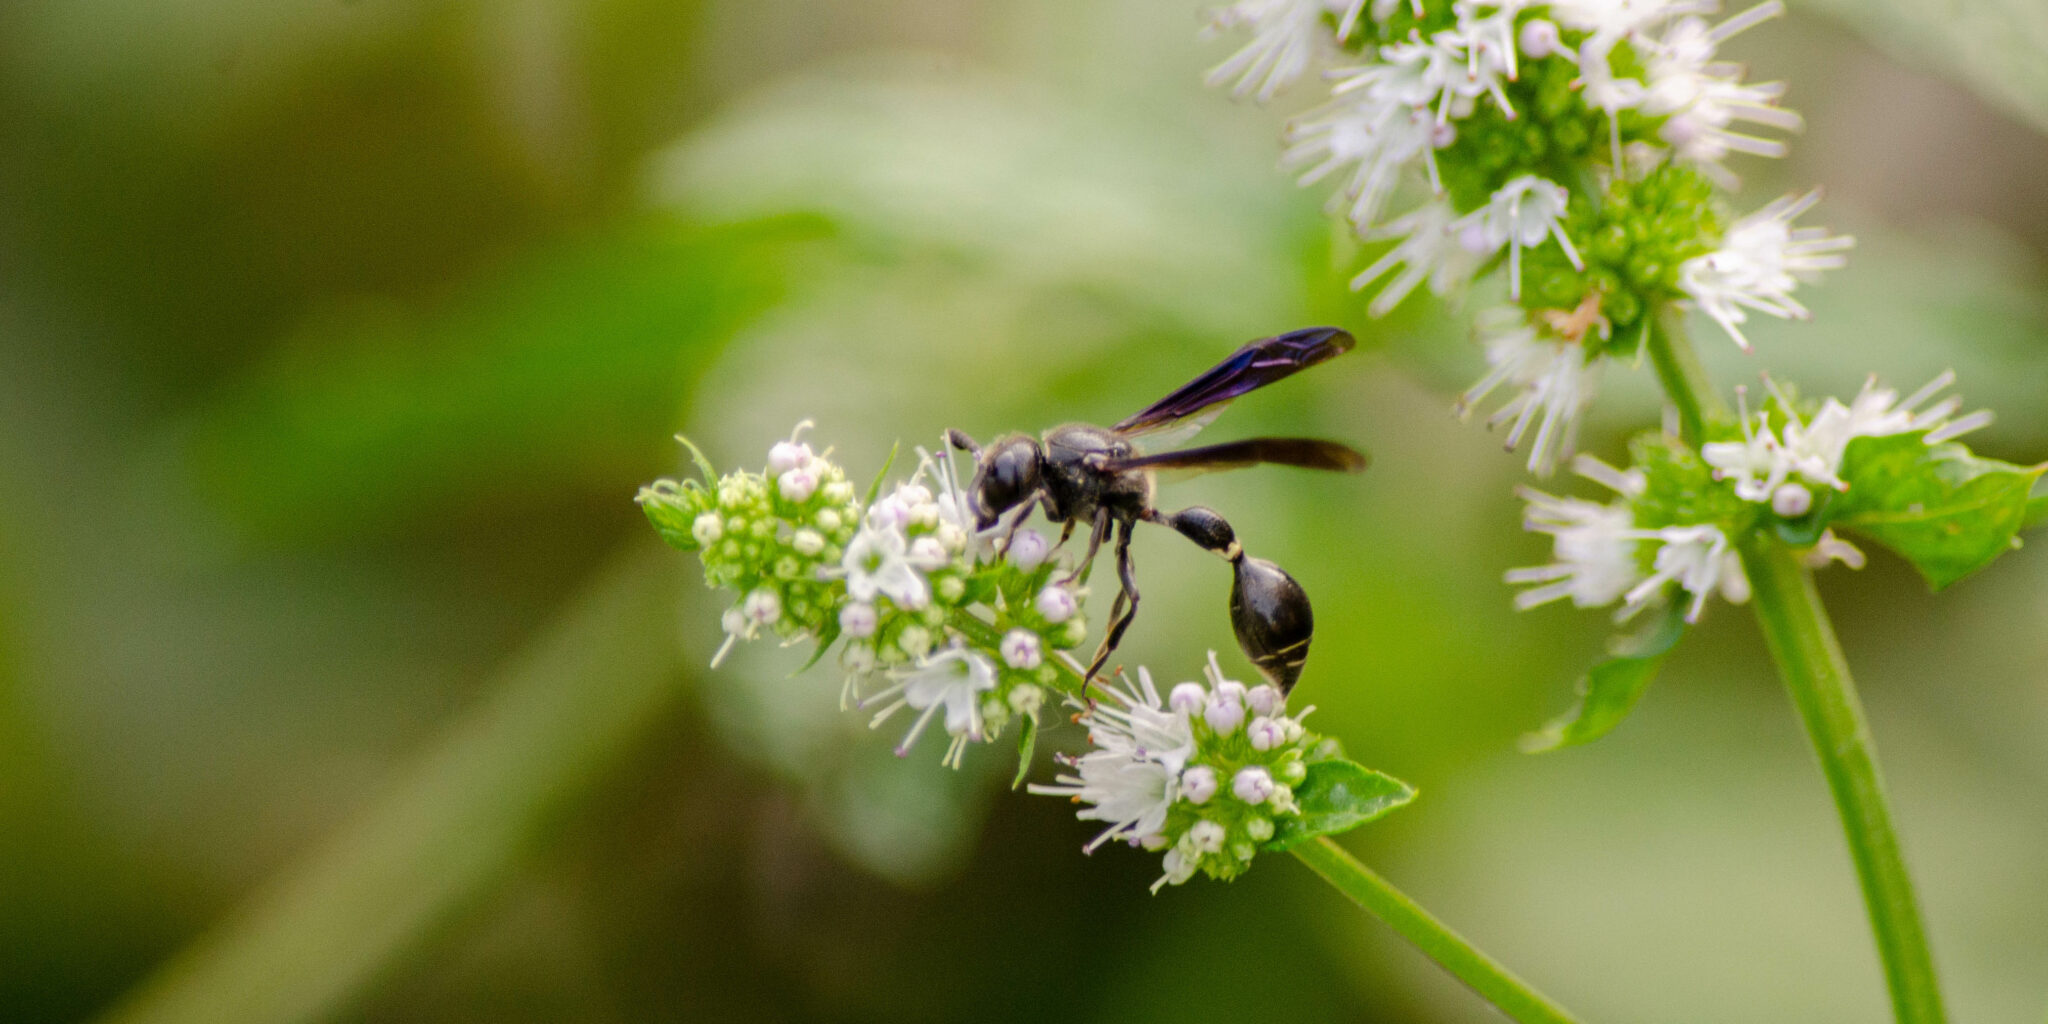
<point>1271,615</point>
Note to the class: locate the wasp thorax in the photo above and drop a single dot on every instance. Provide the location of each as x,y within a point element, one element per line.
<point>1005,478</point>
<point>1271,615</point>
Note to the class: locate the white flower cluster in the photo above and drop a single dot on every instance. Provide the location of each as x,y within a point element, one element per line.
<point>1761,259</point>
<point>1553,380</point>
<point>1598,549</point>
<point>1782,466</point>
<point>1202,774</point>
<point>913,591</point>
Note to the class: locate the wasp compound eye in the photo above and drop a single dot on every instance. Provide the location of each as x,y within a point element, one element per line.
<point>1271,615</point>
<point>1007,476</point>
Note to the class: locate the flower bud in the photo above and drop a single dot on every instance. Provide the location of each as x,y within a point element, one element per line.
<point>951,588</point>
<point>829,520</point>
<point>798,484</point>
<point>1206,836</point>
<point>1198,784</point>
<point>1260,829</point>
<point>927,553</point>
<point>1539,39</point>
<point>1188,698</point>
<point>1252,785</point>
<point>858,620</point>
<point>1028,550</point>
<point>1026,699</point>
<point>762,607</point>
<point>707,528</point>
<point>1056,604</point>
<point>1266,699</point>
<point>1020,649</point>
<point>1265,734</point>
<point>734,621</point>
<point>787,455</point>
<point>1791,501</point>
<point>915,641</point>
<point>1223,713</point>
<point>807,542</point>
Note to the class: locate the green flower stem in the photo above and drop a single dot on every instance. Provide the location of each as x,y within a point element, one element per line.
<point>1484,975</point>
<point>1684,379</point>
<point>1810,660</point>
<point>1802,642</point>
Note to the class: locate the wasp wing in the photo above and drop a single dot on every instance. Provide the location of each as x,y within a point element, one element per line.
<point>1305,452</point>
<point>1248,369</point>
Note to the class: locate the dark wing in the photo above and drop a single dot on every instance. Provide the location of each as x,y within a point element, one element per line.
<point>1306,452</point>
<point>1252,367</point>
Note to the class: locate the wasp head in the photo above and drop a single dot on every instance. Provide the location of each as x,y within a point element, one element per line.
<point>1006,476</point>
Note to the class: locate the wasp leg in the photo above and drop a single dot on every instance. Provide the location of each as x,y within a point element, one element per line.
<point>1205,526</point>
<point>1121,612</point>
<point>960,440</point>
<point>1095,539</point>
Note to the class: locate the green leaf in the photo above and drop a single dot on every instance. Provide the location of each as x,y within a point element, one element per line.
<point>1612,686</point>
<point>875,488</point>
<point>1939,507</point>
<point>1338,796</point>
<point>2037,512</point>
<point>704,466</point>
<point>826,637</point>
<point>1027,741</point>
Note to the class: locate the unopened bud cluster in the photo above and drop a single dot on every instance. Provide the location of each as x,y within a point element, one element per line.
<point>923,612</point>
<point>1202,773</point>
<point>1575,146</point>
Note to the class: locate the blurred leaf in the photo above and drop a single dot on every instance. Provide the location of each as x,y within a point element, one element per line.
<point>2037,512</point>
<point>453,824</point>
<point>1992,46</point>
<point>1338,796</point>
<point>1027,742</point>
<point>1941,508</point>
<point>561,370</point>
<point>1612,686</point>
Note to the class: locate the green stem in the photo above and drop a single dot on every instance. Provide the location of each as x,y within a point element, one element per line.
<point>1484,975</point>
<point>1811,663</point>
<point>1684,379</point>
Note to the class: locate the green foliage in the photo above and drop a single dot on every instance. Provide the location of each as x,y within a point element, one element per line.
<point>1936,505</point>
<point>1612,686</point>
<point>1338,796</point>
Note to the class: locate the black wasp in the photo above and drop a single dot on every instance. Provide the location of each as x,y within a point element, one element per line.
<point>1087,475</point>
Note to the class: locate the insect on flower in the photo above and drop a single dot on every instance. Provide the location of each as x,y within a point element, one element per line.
<point>1081,474</point>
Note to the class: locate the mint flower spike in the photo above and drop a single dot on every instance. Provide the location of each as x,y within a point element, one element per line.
<point>1761,259</point>
<point>1595,544</point>
<point>902,584</point>
<point>1287,36</point>
<point>1203,774</point>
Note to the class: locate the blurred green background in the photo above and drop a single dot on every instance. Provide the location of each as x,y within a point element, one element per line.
<point>340,679</point>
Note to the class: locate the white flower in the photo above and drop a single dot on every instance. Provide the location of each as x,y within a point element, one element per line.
<point>952,680</point>
<point>1701,561</point>
<point>1429,250</point>
<point>1265,733</point>
<point>1553,382</point>
<point>1020,649</point>
<point>877,562</point>
<point>1286,36</point>
<point>1594,545</point>
<point>1791,501</point>
<point>1378,136</point>
<point>1266,699</point>
<point>1833,549</point>
<point>1223,713</point>
<point>1132,777</point>
<point>1761,260</point>
<point>927,553</point>
<point>1523,212</point>
<point>956,524</point>
<point>1703,97</point>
